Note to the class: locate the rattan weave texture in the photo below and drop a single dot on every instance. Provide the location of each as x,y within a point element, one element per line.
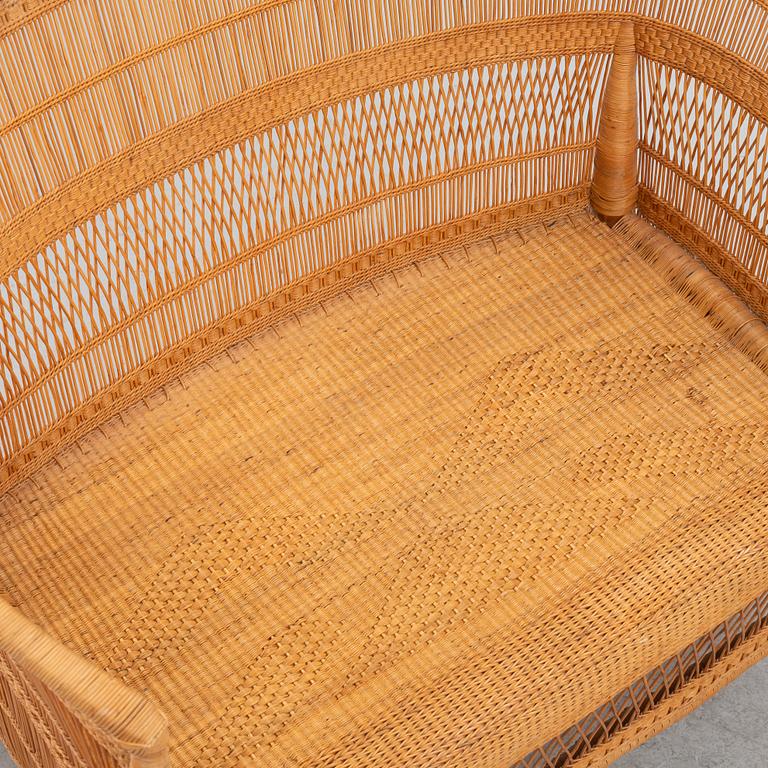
<point>335,428</point>
<point>240,116</point>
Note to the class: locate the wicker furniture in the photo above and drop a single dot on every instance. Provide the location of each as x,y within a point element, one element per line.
<point>383,383</point>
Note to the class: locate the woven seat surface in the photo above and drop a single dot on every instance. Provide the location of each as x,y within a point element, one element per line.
<point>405,522</point>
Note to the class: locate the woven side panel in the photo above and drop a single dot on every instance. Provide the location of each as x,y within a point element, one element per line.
<point>57,710</point>
<point>78,194</point>
<point>103,128</point>
<point>39,731</point>
<point>704,176</point>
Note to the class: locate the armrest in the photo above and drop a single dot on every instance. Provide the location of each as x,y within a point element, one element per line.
<point>58,708</point>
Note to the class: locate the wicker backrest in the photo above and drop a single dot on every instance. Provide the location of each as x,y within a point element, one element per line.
<point>179,175</point>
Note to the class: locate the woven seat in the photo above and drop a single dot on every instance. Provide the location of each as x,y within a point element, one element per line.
<point>375,532</point>
<point>381,383</point>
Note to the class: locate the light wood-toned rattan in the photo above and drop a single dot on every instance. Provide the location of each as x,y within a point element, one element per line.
<point>614,184</point>
<point>335,429</point>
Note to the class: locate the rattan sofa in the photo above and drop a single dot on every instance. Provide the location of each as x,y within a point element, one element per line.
<point>384,382</point>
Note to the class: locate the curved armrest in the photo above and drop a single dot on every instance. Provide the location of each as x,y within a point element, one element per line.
<point>58,708</point>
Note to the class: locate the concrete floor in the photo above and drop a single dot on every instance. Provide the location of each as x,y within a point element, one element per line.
<point>729,731</point>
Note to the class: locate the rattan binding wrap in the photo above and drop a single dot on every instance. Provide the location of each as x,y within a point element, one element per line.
<point>334,429</point>
<point>614,185</point>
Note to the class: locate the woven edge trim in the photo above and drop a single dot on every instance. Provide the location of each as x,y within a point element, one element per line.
<point>17,13</point>
<point>678,705</point>
<point>695,674</point>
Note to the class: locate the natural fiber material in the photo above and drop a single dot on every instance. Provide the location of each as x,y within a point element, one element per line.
<point>614,186</point>
<point>445,493</point>
<point>58,709</point>
<point>702,288</point>
<point>663,695</point>
<point>379,551</point>
<point>137,235</point>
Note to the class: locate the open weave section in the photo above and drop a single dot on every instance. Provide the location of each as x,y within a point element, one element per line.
<point>449,512</point>
<point>666,693</point>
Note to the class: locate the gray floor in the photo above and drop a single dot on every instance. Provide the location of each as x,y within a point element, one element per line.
<point>729,731</point>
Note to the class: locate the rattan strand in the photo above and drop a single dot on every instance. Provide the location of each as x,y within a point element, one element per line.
<point>665,694</point>
<point>614,184</point>
<point>66,203</point>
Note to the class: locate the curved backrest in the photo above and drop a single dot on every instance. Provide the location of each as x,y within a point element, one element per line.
<point>177,175</point>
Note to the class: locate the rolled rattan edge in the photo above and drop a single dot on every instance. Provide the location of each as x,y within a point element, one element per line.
<point>704,289</point>
<point>677,226</point>
<point>118,716</point>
